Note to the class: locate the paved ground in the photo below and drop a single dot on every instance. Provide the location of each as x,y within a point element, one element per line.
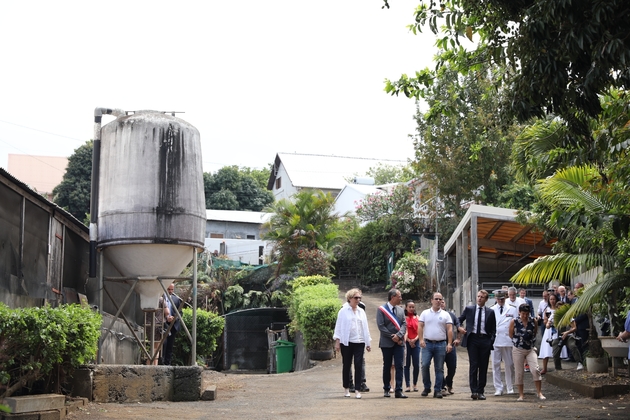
<point>317,393</point>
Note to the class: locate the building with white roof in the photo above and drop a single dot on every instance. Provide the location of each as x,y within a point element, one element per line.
<point>292,172</point>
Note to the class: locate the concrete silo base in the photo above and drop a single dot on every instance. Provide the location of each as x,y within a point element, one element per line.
<point>139,383</point>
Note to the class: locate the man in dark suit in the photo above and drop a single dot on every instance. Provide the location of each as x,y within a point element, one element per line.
<point>391,322</point>
<point>479,336</point>
<point>171,318</point>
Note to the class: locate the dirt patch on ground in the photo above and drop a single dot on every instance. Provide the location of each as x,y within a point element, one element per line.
<point>595,379</point>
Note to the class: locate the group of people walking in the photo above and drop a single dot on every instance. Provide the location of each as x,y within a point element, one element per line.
<point>505,332</point>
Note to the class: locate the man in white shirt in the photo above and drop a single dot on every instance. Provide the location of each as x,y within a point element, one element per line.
<point>513,300</point>
<point>435,335</point>
<point>504,313</point>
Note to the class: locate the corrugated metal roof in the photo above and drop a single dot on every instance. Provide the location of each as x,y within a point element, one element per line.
<point>498,232</point>
<point>328,172</point>
<point>256,217</point>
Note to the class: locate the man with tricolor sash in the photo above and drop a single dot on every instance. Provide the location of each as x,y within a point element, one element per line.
<point>390,319</point>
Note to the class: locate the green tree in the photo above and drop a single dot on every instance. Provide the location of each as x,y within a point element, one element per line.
<point>366,250</point>
<point>388,174</point>
<point>306,221</point>
<point>397,203</point>
<point>566,53</point>
<point>591,220</point>
<point>584,203</point>
<point>234,188</point>
<point>463,147</point>
<point>73,194</point>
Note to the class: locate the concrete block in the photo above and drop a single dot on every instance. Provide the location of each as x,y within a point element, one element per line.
<point>53,415</point>
<point>132,383</point>
<point>21,416</point>
<point>186,383</point>
<point>210,393</point>
<point>31,403</point>
<point>80,383</point>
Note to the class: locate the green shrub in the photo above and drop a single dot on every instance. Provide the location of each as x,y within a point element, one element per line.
<point>309,281</point>
<point>209,329</point>
<point>40,343</point>
<point>313,311</point>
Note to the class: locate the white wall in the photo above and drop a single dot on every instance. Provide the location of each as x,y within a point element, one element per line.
<point>244,250</point>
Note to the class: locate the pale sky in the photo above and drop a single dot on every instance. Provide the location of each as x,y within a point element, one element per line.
<point>254,77</point>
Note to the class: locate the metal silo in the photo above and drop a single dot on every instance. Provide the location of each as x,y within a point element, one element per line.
<point>151,208</point>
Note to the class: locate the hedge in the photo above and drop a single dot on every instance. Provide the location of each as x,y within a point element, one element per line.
<point>40,343</point>
<point>313,311</point>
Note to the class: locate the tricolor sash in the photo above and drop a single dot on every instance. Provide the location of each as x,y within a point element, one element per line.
<point>390,316</point>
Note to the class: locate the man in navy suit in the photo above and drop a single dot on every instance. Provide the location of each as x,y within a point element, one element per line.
<point>171,318</point>
<point>479,336</point>
<point>392,324</point>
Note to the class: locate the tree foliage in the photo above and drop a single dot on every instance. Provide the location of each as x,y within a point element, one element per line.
<point>389,174</point>
<point>462,147</point>
<point>73,194</point>
<point>584,203</point>
<point>367,249</point>
<point>234,188</point>
<point>305,221</point>
<point>565,53</point>
<point>398,203</point>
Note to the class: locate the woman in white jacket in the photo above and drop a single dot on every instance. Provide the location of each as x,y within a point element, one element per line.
<point>352,337</point>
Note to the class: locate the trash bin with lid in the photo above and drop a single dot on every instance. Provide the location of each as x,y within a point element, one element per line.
<point>284,356</point>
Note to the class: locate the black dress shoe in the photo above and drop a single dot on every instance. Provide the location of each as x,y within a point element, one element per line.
<point>425,392</point>
<point>482,397</point>
<point>474,395</point>
<point>386,394</point>
<point>399,394</point>
<point>364,388</point>
<point>437,394</point>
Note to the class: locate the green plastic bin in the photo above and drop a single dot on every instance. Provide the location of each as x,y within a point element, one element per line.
<point>284,356</point>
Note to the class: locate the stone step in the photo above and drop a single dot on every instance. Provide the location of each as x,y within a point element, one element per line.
<point>31,403</point>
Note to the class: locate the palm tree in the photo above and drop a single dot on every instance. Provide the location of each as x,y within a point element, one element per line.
<point>590,220</point>
<point>306,221</point>
<point>583,201</point>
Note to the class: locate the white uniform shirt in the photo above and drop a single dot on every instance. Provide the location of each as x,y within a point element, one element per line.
<point>509,313</point>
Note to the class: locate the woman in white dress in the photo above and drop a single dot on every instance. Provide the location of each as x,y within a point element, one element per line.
<point>546,351</point>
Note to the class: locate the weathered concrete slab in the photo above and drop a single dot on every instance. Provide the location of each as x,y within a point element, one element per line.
<point>32,403</point>
<point>81,383</point>
<point>21,416</point>
<point>138,383</point>
<point>132,383</point>
<point>53,415</point>
<point>186,383</point>
<point>209,394</point>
